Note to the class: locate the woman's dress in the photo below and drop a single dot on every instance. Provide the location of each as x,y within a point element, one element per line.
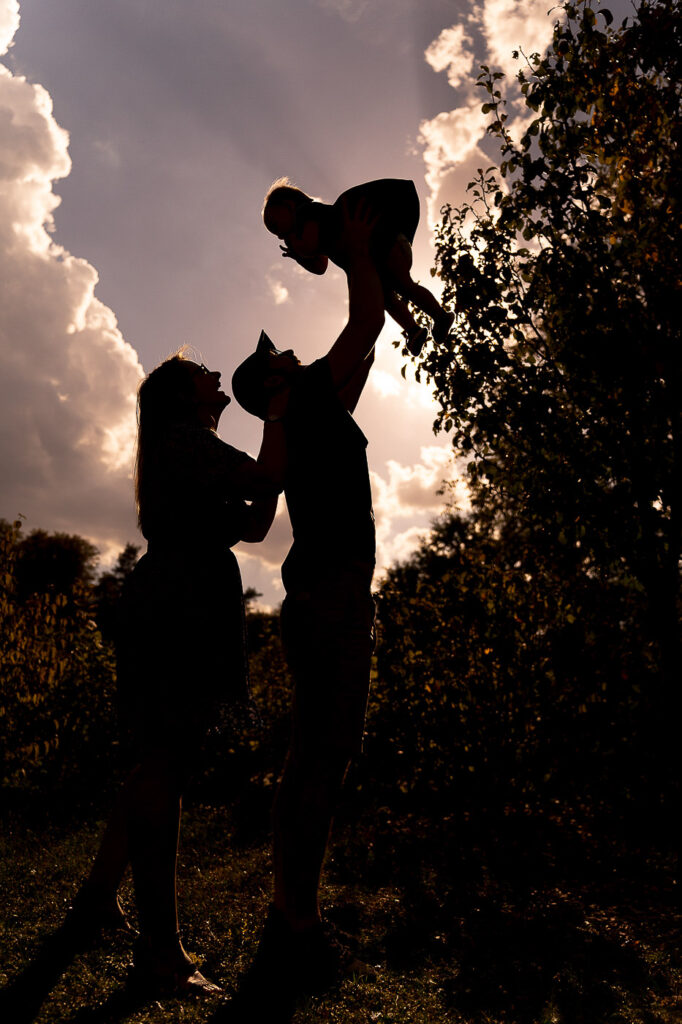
<point>181,650</point>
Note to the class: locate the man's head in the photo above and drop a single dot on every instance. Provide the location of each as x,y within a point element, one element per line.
<point>265,372</point>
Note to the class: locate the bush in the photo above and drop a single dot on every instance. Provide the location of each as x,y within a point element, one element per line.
<point>57,683</point>
<point>500,682</point>
<point>243,766</point>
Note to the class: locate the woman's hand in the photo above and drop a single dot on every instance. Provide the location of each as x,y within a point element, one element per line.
<point>277,406</point>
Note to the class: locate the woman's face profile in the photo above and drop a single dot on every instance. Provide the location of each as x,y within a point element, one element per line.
<point>206,384</point>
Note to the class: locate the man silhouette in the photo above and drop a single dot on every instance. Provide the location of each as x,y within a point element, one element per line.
<point>328,612</point>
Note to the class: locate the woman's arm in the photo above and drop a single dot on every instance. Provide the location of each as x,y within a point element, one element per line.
<point>259,519</point>
<point>263,477</point>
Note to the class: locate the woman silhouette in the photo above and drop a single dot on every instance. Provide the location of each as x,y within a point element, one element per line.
<point>181,649</point>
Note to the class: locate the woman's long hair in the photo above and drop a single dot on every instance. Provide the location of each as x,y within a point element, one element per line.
<point>165,397</point>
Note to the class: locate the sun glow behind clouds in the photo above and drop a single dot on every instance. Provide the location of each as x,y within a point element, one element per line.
<point>9,23</point>
<point>414,491</point>
<point>510,25</point>
<point>452,50</point>
<point>68,377</point>
<point>453,140</point>
<point>278,291</point>
<point>384,383</point>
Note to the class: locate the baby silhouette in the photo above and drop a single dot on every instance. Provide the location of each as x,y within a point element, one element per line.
<point>311,234</point>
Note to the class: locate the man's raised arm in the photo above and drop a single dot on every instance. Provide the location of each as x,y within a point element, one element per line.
<point>365,299</point>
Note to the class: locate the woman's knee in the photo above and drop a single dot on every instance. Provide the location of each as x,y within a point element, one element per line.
<point>156,786</point>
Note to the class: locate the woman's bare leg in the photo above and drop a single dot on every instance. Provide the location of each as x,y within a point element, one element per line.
<point>153,830</point>
<point>113,855</point>
<point>143,829</point>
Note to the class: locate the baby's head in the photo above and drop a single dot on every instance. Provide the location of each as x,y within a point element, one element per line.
<point>280,205</point>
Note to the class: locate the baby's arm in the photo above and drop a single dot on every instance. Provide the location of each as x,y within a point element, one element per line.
<point>304,246</point>
<point>313,264</point>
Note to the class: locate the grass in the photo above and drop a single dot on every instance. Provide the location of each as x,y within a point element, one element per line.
<point>517,920</point>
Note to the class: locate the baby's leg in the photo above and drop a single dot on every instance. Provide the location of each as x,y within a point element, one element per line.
<point>400,312</point>
<point>399,265</point>
<point>415,336</point>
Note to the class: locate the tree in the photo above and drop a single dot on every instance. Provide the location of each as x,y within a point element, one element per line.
<point>109,588</point>
<point>56,680</point>
<point>52,562</point>
<point>251,595</point>
<point>561,378</point>
<point>490,694</point>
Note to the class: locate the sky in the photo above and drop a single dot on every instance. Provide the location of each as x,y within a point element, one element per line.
<point>137,139</point>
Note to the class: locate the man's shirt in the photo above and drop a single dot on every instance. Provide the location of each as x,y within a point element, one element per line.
<point>327,485</point>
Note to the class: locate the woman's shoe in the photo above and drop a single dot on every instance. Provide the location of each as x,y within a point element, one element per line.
<point>153,975</point>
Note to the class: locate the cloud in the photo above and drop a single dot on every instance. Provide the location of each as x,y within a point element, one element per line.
<point>107,152</point>
<point>349,10</point>
<point>452,50</point>
<point>9,23</point>
<point>384,383</point>
<point>411,492</point>
<point>273,550</point>
<point>261,563</point>
<point>278,290</point>
<point>68,378</point>
<point>453,141</point>
<point>410,489</point>
<point>510,25</point>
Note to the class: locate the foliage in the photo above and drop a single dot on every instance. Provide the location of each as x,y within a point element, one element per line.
<point>498,689</point>
<point>109,587</point>
<point>57,674</point>
<point>243,767</point>
<point>561,378</point>
<point>56,680</point>
<point>521,648</point>
<point>251,595</point>
<point>52,562</point>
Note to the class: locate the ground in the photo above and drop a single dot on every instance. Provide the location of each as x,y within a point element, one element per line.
<point>524,921</point>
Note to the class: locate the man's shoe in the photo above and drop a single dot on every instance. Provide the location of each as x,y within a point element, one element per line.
<point>301,962</point>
